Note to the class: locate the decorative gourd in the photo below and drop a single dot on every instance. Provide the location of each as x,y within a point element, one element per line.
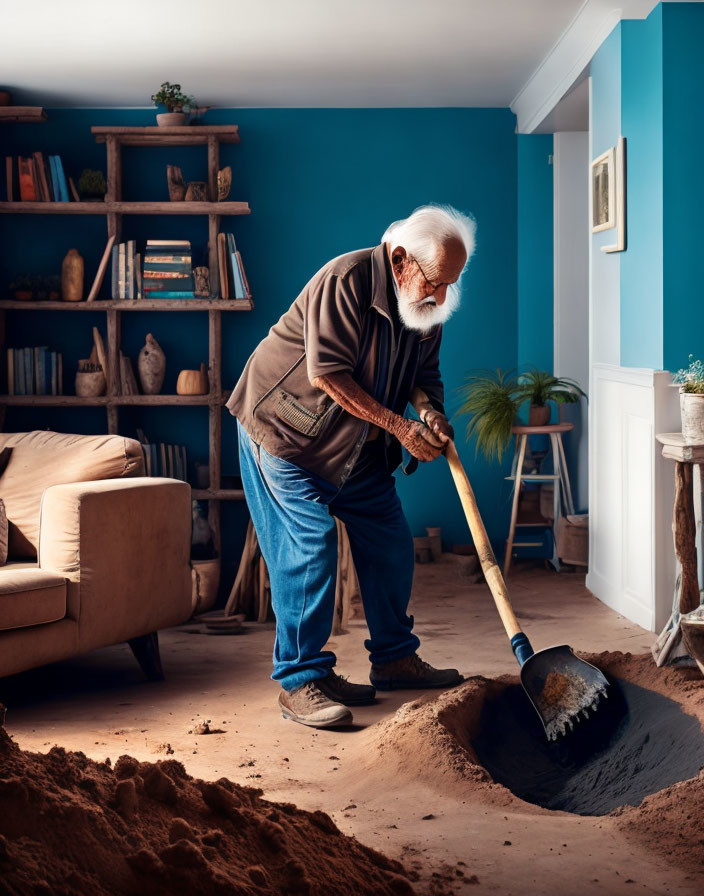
<point>193,382</point>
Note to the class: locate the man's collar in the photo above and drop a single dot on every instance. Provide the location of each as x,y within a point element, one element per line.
<point>380,279</point>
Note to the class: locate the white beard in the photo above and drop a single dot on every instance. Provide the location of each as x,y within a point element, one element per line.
<point>423,316</point>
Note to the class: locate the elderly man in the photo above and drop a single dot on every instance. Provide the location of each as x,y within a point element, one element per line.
<point>320,408</point>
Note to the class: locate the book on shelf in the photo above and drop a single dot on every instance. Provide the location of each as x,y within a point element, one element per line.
<point>61,177</point>
<point>222,267</point>
<point>40,177</point>
<point>138,273</point>
<point>167,270</point>
<point>33,370</point>
<point>27,189</point>
<point>239,290</point>
<point>55,192</point>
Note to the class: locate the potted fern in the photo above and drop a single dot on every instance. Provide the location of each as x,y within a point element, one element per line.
<point>691,382</point>
<point>491,399</point>
<point>175,102</point>
<point>540,388</point>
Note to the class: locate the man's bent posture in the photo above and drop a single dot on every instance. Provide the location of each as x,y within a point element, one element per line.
<point>320,408</point>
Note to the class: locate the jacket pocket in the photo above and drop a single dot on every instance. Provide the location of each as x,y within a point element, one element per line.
<point>299,417</point>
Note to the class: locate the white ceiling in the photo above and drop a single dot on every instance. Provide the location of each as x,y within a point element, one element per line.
<point>269,53</point>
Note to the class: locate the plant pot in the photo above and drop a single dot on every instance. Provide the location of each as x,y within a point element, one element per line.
<point>692,411</point>
<point>92,197</point>
<point>5,97</point>
<point>539,416</point>
<point>171,119</point>
<point>90,383</point>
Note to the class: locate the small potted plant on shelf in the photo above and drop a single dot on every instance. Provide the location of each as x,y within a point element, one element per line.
<point>176,103</point>
<point>540,387</point>
<point>22,288</point>
<point>91,185</point>
<point>691,382</point>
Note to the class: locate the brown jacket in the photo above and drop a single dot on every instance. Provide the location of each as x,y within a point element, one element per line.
<point>343,320</point>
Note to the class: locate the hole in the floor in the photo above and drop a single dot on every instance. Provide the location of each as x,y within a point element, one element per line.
<point>638,743</point>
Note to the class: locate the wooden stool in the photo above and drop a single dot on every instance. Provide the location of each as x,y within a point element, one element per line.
<point>559,477</point>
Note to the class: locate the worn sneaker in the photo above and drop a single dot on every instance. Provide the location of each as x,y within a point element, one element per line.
<point>342,691</point>
<point>411,672</point>
<point>310,706</point>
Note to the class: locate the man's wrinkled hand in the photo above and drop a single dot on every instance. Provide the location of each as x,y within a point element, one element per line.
<point>439,425</point>
<point>419,440</point>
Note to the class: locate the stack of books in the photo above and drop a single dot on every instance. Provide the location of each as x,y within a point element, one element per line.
<point>37,178</point>
<point>34,371</point>
<point>168,271</point>
<point>163,460</point>
<point>233,280</point>
<point>126,271</point>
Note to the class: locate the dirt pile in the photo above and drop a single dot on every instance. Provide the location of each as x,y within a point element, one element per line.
<point>72,826</point>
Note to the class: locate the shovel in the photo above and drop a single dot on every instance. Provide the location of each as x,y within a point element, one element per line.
<point>561,687</point>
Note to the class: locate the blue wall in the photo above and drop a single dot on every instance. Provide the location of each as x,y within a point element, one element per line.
<point>642,125</point>
<point>535,251</point>
<point>319,182</point>
<point>683,182</point>
<point>646,81</point>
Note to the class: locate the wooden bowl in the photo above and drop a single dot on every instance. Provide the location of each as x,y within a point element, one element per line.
<point>90,383</point>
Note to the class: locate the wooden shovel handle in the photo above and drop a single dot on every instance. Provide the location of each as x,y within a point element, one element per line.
<point>481,541</point>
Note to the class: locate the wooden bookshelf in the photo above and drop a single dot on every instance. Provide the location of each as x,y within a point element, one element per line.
<point>107,207</point>
<point>131,305</point>
<point>22,114</point>
<point>113,209</point>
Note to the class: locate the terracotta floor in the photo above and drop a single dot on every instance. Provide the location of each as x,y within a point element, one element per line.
<point>101,705</point>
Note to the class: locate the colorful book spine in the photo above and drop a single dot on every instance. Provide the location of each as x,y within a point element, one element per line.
<point>56,191</point>
<point>115,267</point>
<point>138,274</point>
<point>237,280</point>
<point>54,383</point>
<point>121,272</point>
<point>27,186</point>
<point>19,371</point>
<point>63,185</point>
<point>168,294</point>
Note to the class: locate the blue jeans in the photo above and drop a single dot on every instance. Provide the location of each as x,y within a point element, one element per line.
<point>292,511</point>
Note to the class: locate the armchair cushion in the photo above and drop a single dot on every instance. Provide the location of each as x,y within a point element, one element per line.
<point>41,459</point>
<point>31,597</point>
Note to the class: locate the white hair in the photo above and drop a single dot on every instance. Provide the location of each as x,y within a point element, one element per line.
<point>427,229</point>
<point>422,235</point>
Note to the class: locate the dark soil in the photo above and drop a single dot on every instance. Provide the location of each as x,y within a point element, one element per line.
<point>639,742</point>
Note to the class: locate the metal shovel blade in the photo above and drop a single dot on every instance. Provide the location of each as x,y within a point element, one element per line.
<point>562,688</point>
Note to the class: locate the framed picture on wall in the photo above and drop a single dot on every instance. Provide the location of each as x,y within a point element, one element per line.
<point>603,193</point>
<point>609,194</point>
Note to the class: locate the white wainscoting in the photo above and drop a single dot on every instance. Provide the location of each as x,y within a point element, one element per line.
<point>631,491</point>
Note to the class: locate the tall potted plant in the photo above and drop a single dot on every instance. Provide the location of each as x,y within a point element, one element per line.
<point>175,102</point>
<point>540,388</point>
<point>691,382</point>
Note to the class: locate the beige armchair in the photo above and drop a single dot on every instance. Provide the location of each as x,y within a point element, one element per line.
<point>98,552</point>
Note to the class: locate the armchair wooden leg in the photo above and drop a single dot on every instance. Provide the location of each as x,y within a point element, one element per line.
<point>146,652</point>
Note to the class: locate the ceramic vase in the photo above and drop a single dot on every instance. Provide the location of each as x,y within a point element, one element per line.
<point>72,277</point>
<point>152,366</point>
<point>171,119</point>
<point>692,410</point>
